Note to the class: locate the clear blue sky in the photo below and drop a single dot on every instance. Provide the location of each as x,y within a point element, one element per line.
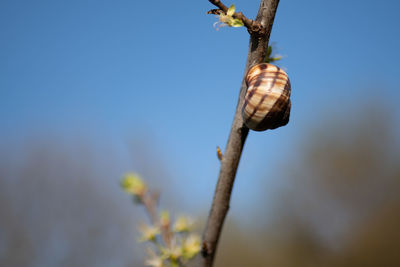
<point>115,70</point>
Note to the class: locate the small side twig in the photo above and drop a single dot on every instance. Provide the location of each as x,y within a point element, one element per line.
<point>149,201</point>
<point>254,27</point>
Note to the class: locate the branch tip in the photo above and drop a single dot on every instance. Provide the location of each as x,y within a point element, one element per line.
<point>253,27</point>
<point>214,11</point>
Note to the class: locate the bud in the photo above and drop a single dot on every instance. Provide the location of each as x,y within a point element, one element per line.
<point>191,246</point>
<point>165,219</point>
<point>183,224</point>
<point>149,233</point>
<point>133,184</point>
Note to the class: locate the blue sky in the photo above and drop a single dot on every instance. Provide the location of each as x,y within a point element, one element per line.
<point>118,70</point>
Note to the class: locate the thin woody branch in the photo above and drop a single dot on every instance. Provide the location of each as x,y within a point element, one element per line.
<point>229,163</point>
<point>150,200</point>
<point>252,26</point>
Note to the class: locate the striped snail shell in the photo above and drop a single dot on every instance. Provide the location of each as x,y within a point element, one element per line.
<point>267,104</point>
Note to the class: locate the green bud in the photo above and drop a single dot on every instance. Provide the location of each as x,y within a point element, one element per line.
<point>191,246</point>
<point>133,184</point>
<point>165,218</point>
<point>183,224</point>
<point>149,232</point>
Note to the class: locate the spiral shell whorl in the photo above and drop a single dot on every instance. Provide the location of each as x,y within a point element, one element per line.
<point>267,104</point>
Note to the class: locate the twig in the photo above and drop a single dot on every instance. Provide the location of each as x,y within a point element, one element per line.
<point>230,161</point>
<point>149,201</point>
<point>254,27</point>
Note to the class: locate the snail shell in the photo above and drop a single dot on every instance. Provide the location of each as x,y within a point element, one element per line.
<point>267,103</point>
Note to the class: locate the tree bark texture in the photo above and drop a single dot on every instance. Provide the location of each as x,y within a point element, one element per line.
<point>230,161</point>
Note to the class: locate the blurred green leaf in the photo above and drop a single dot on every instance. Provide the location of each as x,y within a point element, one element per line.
<point>269,51</point>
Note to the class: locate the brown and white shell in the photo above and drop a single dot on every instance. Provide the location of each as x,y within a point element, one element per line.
<point>267,101</point>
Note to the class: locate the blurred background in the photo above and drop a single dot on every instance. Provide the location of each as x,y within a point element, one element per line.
<point>90,90</point>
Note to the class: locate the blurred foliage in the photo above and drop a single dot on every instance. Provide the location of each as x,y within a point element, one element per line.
<point>340,205</point>
<point>173,246</point>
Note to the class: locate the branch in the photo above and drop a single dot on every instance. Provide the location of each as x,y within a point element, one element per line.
<point>230,161</point>
<point>254,27</point>
<point>149,200</point>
